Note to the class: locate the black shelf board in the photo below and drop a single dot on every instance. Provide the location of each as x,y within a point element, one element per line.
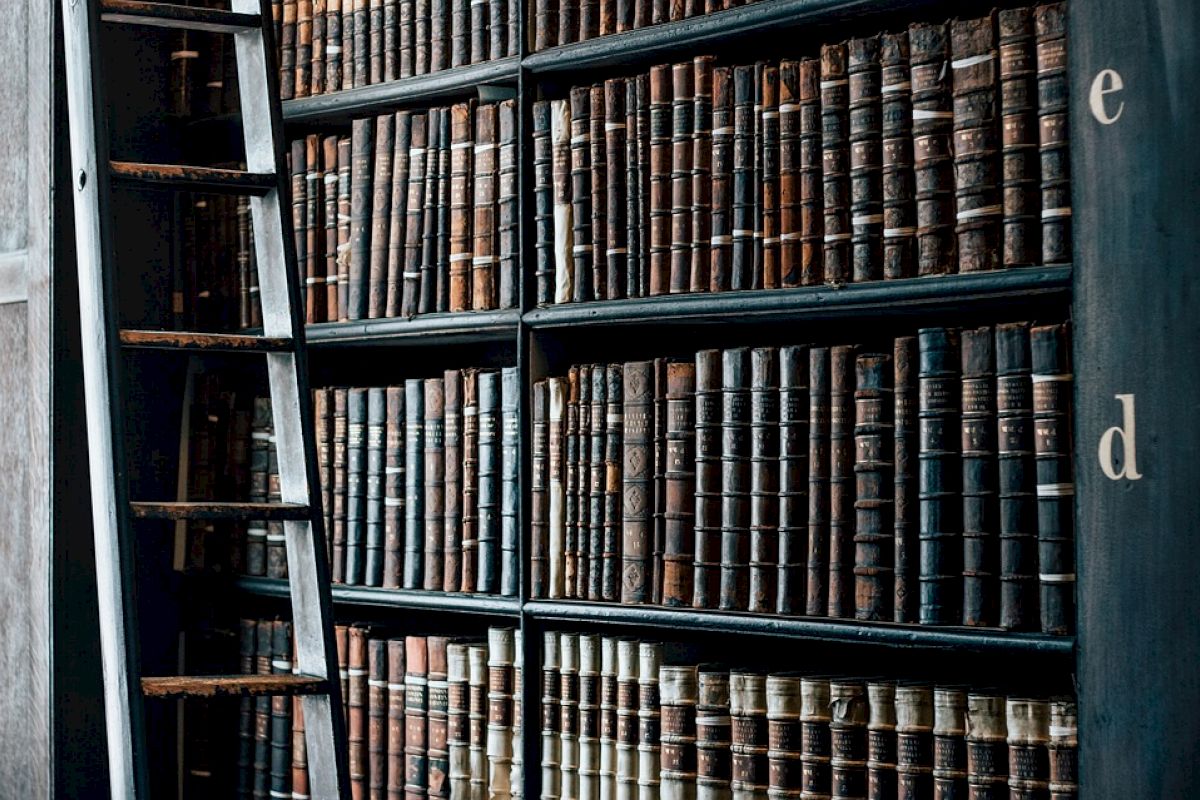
<point>446,84</point>
<point>374,597</point>
<point>464,327</point>
<point>877,299</point>
<point>837,631</point>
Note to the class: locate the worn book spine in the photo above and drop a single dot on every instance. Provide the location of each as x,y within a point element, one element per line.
<point>470,479</point>
<point>539,511</point>
<point>768,182</point>
<point>405,31</point>
<point>581,550</point>
<point>756,179</point>
<point>817,585</point>
<point>280,768</point>
<point>589,19</point>
<point>610,550</point>
<point>556,504</point>
<point>649,720</point>
<point>356,703</point>
<point>518,712</point>
<point>1063,749</point>
<point>510,431</point>
<point>627,720</point>
<point>1028,723</point>
<point>391,40</point>
<point>568,746</point>
<point>835,163</point>
<point>568,23</point>
<point>706,565</point>
<point>933,160</point>
<point>300,784</point>
<point>452,516</point>
<point>377,711</point>
<point>479,31</point>
<point>679,541</point>
<point>260,441</point>
<point>375,41</point>
<point>721,241</point>
<point>374,540</point>
<point>812,175</point>
<point>987,762</point>
<point>659,517</point>
<point>589,715</point>
<point>501,677</point>
<point>439,35</point>
<point>701,177</point>
<point>899,198</point>
<point>660,121</point>
<point>979,497</point>
<point>784,778</point>
<point>414,483</point>
<point>545,24</point>
<point>635,133</point>
<point>362,42</point>
<point>841,481</point>
<point>393,488</point>
<point>678,691</point>
<point>735,480</point>
<point>815,779</point>
<point>741,267</point>
<point>1016,479</point>
<point>616,133</point>
<point>940,477</point>
<point>356,485</point>
<point>416,717</point>
<point>881,740</point>
<point>442,287</point>
<point>637,418</point>
<point>978,198</point>
<point>434,463</point>
<point>1053,139</point>
<point>460,33</point>
<point>261,763</point>
<point>645,129</point>
<point>477,656</point>
<point>348,44</point>
<point>458,725</point>
<point>764,478</point>
<point>564,211</point>
<point>487,578</point>
<point>461,205</point>
<point>329,299</point>
<point>793,479</point>
<point>906,562</point>
<point>551,751</point>
<point>914,741</point>
<point>1019,138</point>
<point>789,173</point>
<point>874,544</point>
<point>340,431</point>
<point>427,296</point>
<point>314,252</point>
<point>507,279</point>
<point>298,163</point>
<point>748,742</point>
<point>422,19</point>
<point>571,460</point>
<point>848,738</point>
<point>866,157</point>
<point>608,720</point>
<point>414,216</point>
<point>323,433</point>
<point>598,163</point>
<point>402,143</point>
<point>713,735</point>
<point>682,128</point>
<point>1052,390</point>
<point>543,202</point>
<point>333,47</point>
<point>287,51</point>
<point>581,194</point>
<point>949,743</point>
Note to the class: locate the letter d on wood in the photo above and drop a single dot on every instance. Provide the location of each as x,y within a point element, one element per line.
<point>1127,431</point>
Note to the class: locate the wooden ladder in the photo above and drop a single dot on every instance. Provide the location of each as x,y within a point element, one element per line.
<point>282,345</point>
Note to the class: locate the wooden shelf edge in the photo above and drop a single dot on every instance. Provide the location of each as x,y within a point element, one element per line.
<point>840,631</point>
<point>375,597</point>
<point>456,328</point>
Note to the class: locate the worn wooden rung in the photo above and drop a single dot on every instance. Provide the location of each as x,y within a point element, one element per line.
<point>207,510</point>
<point>169,15</point>
<point>211,342</point>
<point>233,686</point>
<point>194,179</point>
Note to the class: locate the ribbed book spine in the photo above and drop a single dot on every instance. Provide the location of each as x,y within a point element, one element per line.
<point>1028,722</point>
<point>660,480</point>
<point>437,178</point>
<point>414,216</point>
<point>635,173</point>
<point>678,690</point>
<point>1050,24</point>
<point>933,160</point>
<point>477,664</point>
<point>793,479</point>
<point>561,183</point>
<point>881,740</point>
<point>330,252</point>
<point>616,135</point>
<point>735,479</point>
<point>649,720</point>
<point>356,485</point>
<point>610,568</point>
<point>581,194</point>
<point>580,549</point>
<point>679,545</point>
<point>1063,747</point>
<point>556,503</point>
<point>460,33</point>
<point>638,391</point>
<point>362,154</point>
<point>569,716</point>
<point>393,488</point>
<point>458,725</point>
<point>1019,138</point>
<point>815,745</point>
<point>978,196</point>
<point>414,483</point>
<point>741,268</point>
<point>866,158</point>
<point>713,735</point>
<point>571,460</point>
<point>748,743</point>
<point>949,743</point>
<point>682,128</point>
<point>479,31</point>
<point>914,741</point>
<point>706,565</point>
<point>462,150</point>
<point>397,228</point>
<point>453,476</point>
<point>848,738</point>
<point>784,777</point>
<point>817,585</point>
<point>1017,480</point>
<point>487,576</point>
<point>979,500</point>
<point>660,179</point>
<point>987,762</point>
<point>592,551</point>
<point>416,718</point>
<point>769,177</point>
<point>281,713</point>
<point>470,480</point>
<point>247,634</point>
<point>589,715</point>
<point>551,750</point>
<point>702,162</point>
<point>348,43</point>
<point>435,485</point>
<point>507,278</point>
<point>377,717</point>
<point>906,595</point>
<point>543,200</point>
<point>501,656</point>
<point>510,402</point>
<point>256,659</point>
<point>608,719</point>
<point>344,215</point>
<point>721,241</point>
<point>789,173</point>
<point>539,511</point>
<point>899,207</point>
<point>1052,387</point>
<point>598,158</point>
<point>298,164</point>
<point>483,263</point>
<point>314,281</point>
<point>356,703</point>
<point>874,542</point>
<point>376,431</point>
<point>340,430</point>
<point>260,441</point>
<point>835,163</point>
<point>627,722</point>
<point>764,478</point>
<point>940,478</point>
<point>381,216</point>
<point>841,481</point>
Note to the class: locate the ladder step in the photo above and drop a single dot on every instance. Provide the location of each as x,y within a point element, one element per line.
<point>194,179</point>
<point>210,342</point>
<point>230,511</point>
<point>233,686</point>
<point>169,15</point>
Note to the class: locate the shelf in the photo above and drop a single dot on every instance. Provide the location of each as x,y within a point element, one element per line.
<point>443,85</point>
<point>373,597</point>
<point>878,299</point>
<point>466,327</point>
<point>826,630</point>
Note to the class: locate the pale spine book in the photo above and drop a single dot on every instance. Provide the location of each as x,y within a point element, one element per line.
<point>649,720</point>
<point>627,719</point>
<point>589,717</point>
<point>501,654</point>
<point>550,711</point>
<point>568,650</point>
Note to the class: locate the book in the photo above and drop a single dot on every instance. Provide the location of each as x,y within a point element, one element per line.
<point>748,742</point>
<point>557,487</point>
<point>735,480</point>
<point>659,196</point>
<point>416,717</point>
<point>418,159</point>
<point>539,492</point>
<point>1028,722</point>
<point>329,160</point>
<point>551,716</point>
<point>976,100</point>
<point>914,704</point>
<point>949,743</point>
<point>470,480</point>
<point>597,159</point>
<point>427,292</point>
<point>434,471</point>
<point>721,241</point>
<point>1019,138</point>
<point>487,576</point>
<point>375,440</point>
<point>866,157</point>
<point>980,508</point>
<point>394,487</point>
<point>881,739</point>
<point>377,717</point>
<point>793,479</point>
<point>899,206</point>
<point>906,561</point>
<point>569,718</point>
<point>356,485</point>
<point>636,177</point>
<point>741,275</point>
<point>477,661</point>
<point>817,583</point>
<point>841,481</point>
<point>701,179</point>
<point>637,391</point>
<point>874,448</point>
<point>501,656</point>
<point>659,516</point>
<point>458,725</point>
<point>714,768</point>
<point>933,166</point>
<point>848,738</point>
<point>564,225</point>
<point>679,542</point>
<point>815,743</point>
<point>581,194</point>
<point>608,719</point>
<point>682,130</point>
<point>986,735</point>
<point>835,163</point>
<point>396,732</point>
<point>506,265</point>
<point>452,539</point>
<point>510,535</point>
<point>589,715</point>
<point>1053,139</point>
<point>767,230</point>
<point>617,188</point>
<point>543,199</point>
<point>358,709</point>
<point>939,477</point>
<point>1063,749</point>
<point>592,545</point>
<point>414,484</point>
<point>483,263</point>
<point>462,135</point>
<point>281,712</point>
<point>570,552</point>
<point>627,721</point>
<point>764,477</point>
<point>362,140</point>
<point>649,720</point>
<point>611,565</point>
<point>678,693</point>
<point>381,215</point>
<point>784,776</point>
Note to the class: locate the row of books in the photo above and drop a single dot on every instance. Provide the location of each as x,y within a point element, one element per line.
<point>203,71</point>
<point>332,45</point>
<point>427,716</point>
<point>923,479</point>
<point>939,149</point>
<point>559,22</point>
<point>619,723</point>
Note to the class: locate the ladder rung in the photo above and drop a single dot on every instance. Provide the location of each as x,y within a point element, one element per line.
<point>211,342</point>
<point>233,686</point>
<point>195,179</point>
<point>231,511</point>
<point>169,15</point>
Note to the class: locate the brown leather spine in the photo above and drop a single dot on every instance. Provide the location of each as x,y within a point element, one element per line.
<point>452,518</point>
<point>906,595</point>
<point>470,478</point>
<point>539,507</point>
<point>610,555</point>
<point>415,214</point>
<point>866,158</point>
<point>1050,25</point>
<point>721,241</point>
<point>393,487</point>
<point>616,134</point>
<point>660,179</point>
<point>764,478</point>
<point>1019,138</point>
<point>769,177</point>
<point>682,126</point>
<point>702,155</point>
<point>899,204</point>
<point>599,179</point>
<point>841,481</point>
<point>706,568</point>
<point>381,198</point>
<point>416,715</point>
<point>638,391</point>
<point>581,194</point>
<point>483,263</point>
<point>679,544</point>
<point>874,440</point>
<point>735,479</point>
<point>835,163</point>
<point>812,175</point>
<point>817,596</point>
<point>933,161</point>
<point>881,740</point>
<point>462,146</point>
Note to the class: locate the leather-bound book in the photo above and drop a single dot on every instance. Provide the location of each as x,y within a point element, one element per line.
<point>701,180</point>
<point>329,160</point>
<point>487,578</point>
<point>815,743</point>
<point>571,485</point>
<point>769,177</point>
<point>281,712</point>
<point>1063,749</point>
<point>333,45</point>
<point>644,129</point>
<point>556,503</point>
<point>483,265</point>
<point>589,715</point>
<point>402,143</point>
<point>517,780</point>
<point>568,700</point>
<point>377,710</point>
<point>949,743</point>
<point>866,158</point>
<point>635,167</point>
<point>551,717</point>
<point>835,162</point>
<point>679,541</point>
<point>261,758</point>
<point>614,511</point>
<point>477,664</point>
<point>899,201</point>
<point>338,536</point>
<point>660,179</point>
<point>608,722</point>
<point>682,127</point>
<point>874,449</point>
<point>287,52</point>
<point>539,510</point>
<point>341,637</point>
<point>841,481</point>
<point>439,35</point>
<point>721,241</point>
<point>376,428</point>
<point>978,198</point>
<point>627,722</point>
<point>427,296</point>
<point>1028,721</point>
<point>323,433</point>
<point>678,690</point>
<point>314,281</point>
<point>501,656</point>
<point>812,175</point>
<point>442,284</point>
<point>706,565</point>
<point>356,485</point>
<point>735,480</point>
<point>461,205</point>
<point>789,173</point>
<point>817,585</point>
<point>1052,385</point>
<point>568,22</point>
<point>545,25</point>
<point>598,158</point>
<point>452,516</point>
<point>247,648</point>
<point>391,40</point>
<point>414,483</point>
<point>375,41</point>
<point>881,740</point>
<point>348,48</point>
<point>793,479</point>
<point>906,596</point>
<point>649,714</point>
<point>508,244</point>
<point>713,735</point>
<point>479,31</point>
<point>979,501</point>
<point>395,719</point>
<point>741,267</point>
<point>589,19</point>
<point>756,180</point>
<point>406,29</point>
<point>616,253</point>
<point>470,480</point>
<point>1050,24</point>
<point>580,548</point>
<point>1019,138</point>
<point>422,18</point>
<point>416,717</point>
<point>940,477</point>
<point>933,160</point>
<point>297,160</point>
<point>260,441</point>
<point>914,741</point>
<point>356,703</point>
<point>638,418</point>
<point>581,194</point>
<point>987,757</point>
<point>848,738</point>
<point>764,478</point>
<point>748,743</point>
<point>276,537</point>
<point>435,483</point>
<point>510,468</point>
<point>300,786</point>
<point>393,487</point>
<point>414,216</point>
<point>362,42</point>
<point>458,725</point>
<point>659,516</point>
<point>564,228</point>
<point>460,33</point>
<point>543,202</point>
<point>784,777</point>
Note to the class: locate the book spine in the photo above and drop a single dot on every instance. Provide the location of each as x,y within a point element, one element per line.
<point>340,432</point>
<point>706,574</point>
<point>978,198</point>
<point>635,133</point>
<point>817,597</point>
<point>616,135</point>
<point>427,296</point>
<point>866,158</point>
<point>564,226</point>
<point>679,545</point>
<point>348,43</point>
<point>899,207</point>
<point>391,40</point>
<point>906,563</point>
<point>460,33</point>
<point>568,22</point>
<point>477,656</point>
<point>660,179</point>
<point>582,546</point>
<point>589,715</point>
<point>841,481</point>
<point>377,717</point>
<point>458,725</point>
<point>678,690</point>
<point>581,194</point>
<point>815,744</point>
<point>298,163</point>
<point>518,706</point>
<point>721,241</point>
<point>393,488</point>
<point>764,478</point>
<point>362,43</point>
<point>479,31</point>
<point>874,439</point>
<point>1053,138</point>
<point>398,208</point>
<point>1052,387</point>
<point>881,740</point>
<point>757,274</point>
<point>405,32</point>
<point>608,720</point>
<point>439,35</point>
<point>487,576</point>
<point>1028,723</point>
<point>374,541</point>
<point>260,441</point>
<point>571,507</point>
<point>443,218</point>
<point>848,738</point>
<point>933,161</point>
<point>358,710</point>
<point>741,265</point>
<point>637,392</point>
<point>914,704</point>
<point>510,431</point>
<point>261,779</point>
<point>434,464</point>
<point>610,570</point>
<point>1019,138</point>
<point>461,205</point>
<point>287,51</point>
<point>784,775</point>
<point>659,530</point>
<point>557,486</point>
<point>395,719</point>
<point>714,767</point>
<point>329,299</point>
<point>835,163</point>
<point>539,511</point>
<point>597,158</point>
<point>589,19</point>
<point>701,177</point>
<point>247,718</point>
<point>812,179</point>
<point>1017,481</point>
<point>939,477</point>
<point>375,41</point>
<point>452,518</point>
<point>333,45</point>
<point>748,743</point>
<point>414,215</point>
<point>543,201</point>
<point>682,129</point>
<point>507,262</point>
<point>545,24</point>
<point>789,173</point>
<point>356,485</point>
<point>649,720</point>
<point>987,764</point>
<point>1063,748</point>
<point>793,479</point>
<point>422,20</point>
<point>979,496</point>
<point>470,480</point>
<point>314,252</point>
<point>551,717</point>
<point>645,133</point>
<point>416,717</point>
<point>768,182</point>
<point>323,433</point>
<point>438,726</point>
<point>414,483</point>
<point>568,727</point>
<point>735,479</point>
<point>281,713</point>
